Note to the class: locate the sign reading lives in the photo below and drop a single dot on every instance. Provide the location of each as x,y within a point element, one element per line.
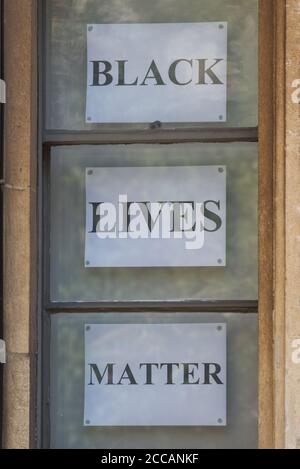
<point>155,375</point>
<point>156,216</point>
<point>175,72</point>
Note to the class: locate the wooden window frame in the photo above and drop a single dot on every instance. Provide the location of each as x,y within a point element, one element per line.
<point>271,305</point>
<point>271,79</point>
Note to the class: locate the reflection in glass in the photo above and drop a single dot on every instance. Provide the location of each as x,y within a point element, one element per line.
<point>71,281</point>
<point>67,387</point>
<point>66,53</point>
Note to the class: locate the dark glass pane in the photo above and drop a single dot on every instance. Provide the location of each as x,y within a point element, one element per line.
<point>67,388</point>
<point>66,59</point>
<point>72,281</point>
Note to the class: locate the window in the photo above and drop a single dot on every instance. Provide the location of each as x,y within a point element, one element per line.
<point>76,294</point>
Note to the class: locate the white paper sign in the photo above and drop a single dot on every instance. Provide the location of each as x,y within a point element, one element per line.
<point>175,72</point>
<point>156,216</point>
<point>155,375</point>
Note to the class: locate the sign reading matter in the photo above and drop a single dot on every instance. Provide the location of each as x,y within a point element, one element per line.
<point>156,216</point>
<point>155,375</point>
<point>175,72</point>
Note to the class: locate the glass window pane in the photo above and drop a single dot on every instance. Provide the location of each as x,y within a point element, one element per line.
<point>72,281</point>
<point>67,387</point>
<point>65,72</point>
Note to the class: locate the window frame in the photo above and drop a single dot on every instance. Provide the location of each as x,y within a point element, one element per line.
<point>270,21</point>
